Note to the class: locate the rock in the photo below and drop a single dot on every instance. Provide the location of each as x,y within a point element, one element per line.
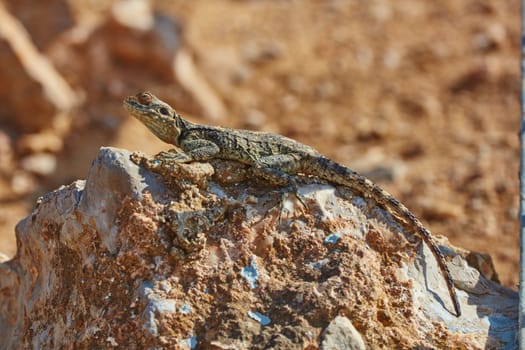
<point>44,20</point>
<point>137,14</point>
<point>129,44</point>
<point>43,164</point>
<point>41,142</point>
<point>392,58</point>
<point>470,80</point>
<point>257,53</point>
<point>3,257</point>
<point>126,36</point>
<point>186,258</point>
<point>35,87</point>
<point>326,89</point>
<point>6,154</point>
<point>490,37</point>
<point>255,118</point>
<point>195,83</point>
<point>23,183</point>
<point>341,334</point>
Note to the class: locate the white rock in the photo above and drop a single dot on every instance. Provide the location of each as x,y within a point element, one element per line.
<point>341,334</point>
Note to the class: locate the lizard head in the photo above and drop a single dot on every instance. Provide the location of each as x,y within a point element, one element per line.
<point>158,116</point>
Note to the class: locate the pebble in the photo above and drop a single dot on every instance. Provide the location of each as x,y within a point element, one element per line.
<point>490,37</point>
<point>326,89</point>
<point>254,118</point>
<point>6,152</point>
<point>38,143</point>
<point>392,59</point>
<point>259,53</point>
<point>341,334</point>
<point>42,164</point>
<point>23,182</point>
<point>3,257</point>
<point>137,14</point>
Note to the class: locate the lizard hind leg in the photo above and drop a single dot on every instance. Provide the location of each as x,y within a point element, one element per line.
<point>278,170</point>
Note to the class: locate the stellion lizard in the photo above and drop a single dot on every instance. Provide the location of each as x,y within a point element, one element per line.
<point>274,157</point>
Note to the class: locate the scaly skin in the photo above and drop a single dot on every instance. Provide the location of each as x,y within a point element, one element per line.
<point>274,157</point>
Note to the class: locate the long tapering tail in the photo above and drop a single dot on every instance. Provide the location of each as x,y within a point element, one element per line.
<point>333,172</point>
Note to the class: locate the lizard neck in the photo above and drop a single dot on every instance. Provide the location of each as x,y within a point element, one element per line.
<point>181,125</point>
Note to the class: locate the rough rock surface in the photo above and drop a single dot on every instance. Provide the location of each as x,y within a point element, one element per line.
<point>204,256</point>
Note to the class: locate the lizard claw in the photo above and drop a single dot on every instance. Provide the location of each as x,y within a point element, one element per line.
<point>300,199</point>
<point>292,189</point>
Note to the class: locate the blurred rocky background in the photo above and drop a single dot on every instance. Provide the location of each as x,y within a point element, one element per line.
<point>422,97</point>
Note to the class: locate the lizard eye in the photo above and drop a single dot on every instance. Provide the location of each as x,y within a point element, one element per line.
<point>145,98</point>
<point>164,111</point>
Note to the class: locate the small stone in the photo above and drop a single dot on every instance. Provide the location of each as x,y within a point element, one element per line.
<point>3,257</point>
<point>326,89</point>
<point>490,37</point>
<point>392,59</point>
<point>38,143</point>
<point>440,210</point>
<point>6,152</point>
<point>364,57</point>
<point>240,73</point>
<point>22,182</point>
<point>135,14</point>
<point>290,102</point>
<point>254,118</point>
<point>381,11</point>
<point>259,53</point>
<point>42,164</point>
<point>297,84</point>
<point>341,334</point>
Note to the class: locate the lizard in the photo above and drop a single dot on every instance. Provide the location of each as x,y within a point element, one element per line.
<point>274,157</point>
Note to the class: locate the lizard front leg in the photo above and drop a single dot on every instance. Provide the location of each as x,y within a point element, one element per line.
<point>166,162</point>
<point>171,165</point>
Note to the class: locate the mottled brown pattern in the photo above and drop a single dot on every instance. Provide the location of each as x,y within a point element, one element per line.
<point>273,157</point>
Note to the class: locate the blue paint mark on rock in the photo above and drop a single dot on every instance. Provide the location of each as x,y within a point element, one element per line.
<point>185,309</point>
<point>333,238</point>
<point>191,342</point>
<point>263,320</point>
<point>251,273</point>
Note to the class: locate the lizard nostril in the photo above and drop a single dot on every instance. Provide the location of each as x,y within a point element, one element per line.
<point>145,98</point>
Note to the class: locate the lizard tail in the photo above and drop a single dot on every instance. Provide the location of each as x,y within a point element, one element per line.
<point>333,172</point>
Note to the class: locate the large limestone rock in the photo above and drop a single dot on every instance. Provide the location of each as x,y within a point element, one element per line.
<point>204,257</point>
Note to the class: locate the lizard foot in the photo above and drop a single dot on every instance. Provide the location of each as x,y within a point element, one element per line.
<point>174,156</point>
<point>284,203</point>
